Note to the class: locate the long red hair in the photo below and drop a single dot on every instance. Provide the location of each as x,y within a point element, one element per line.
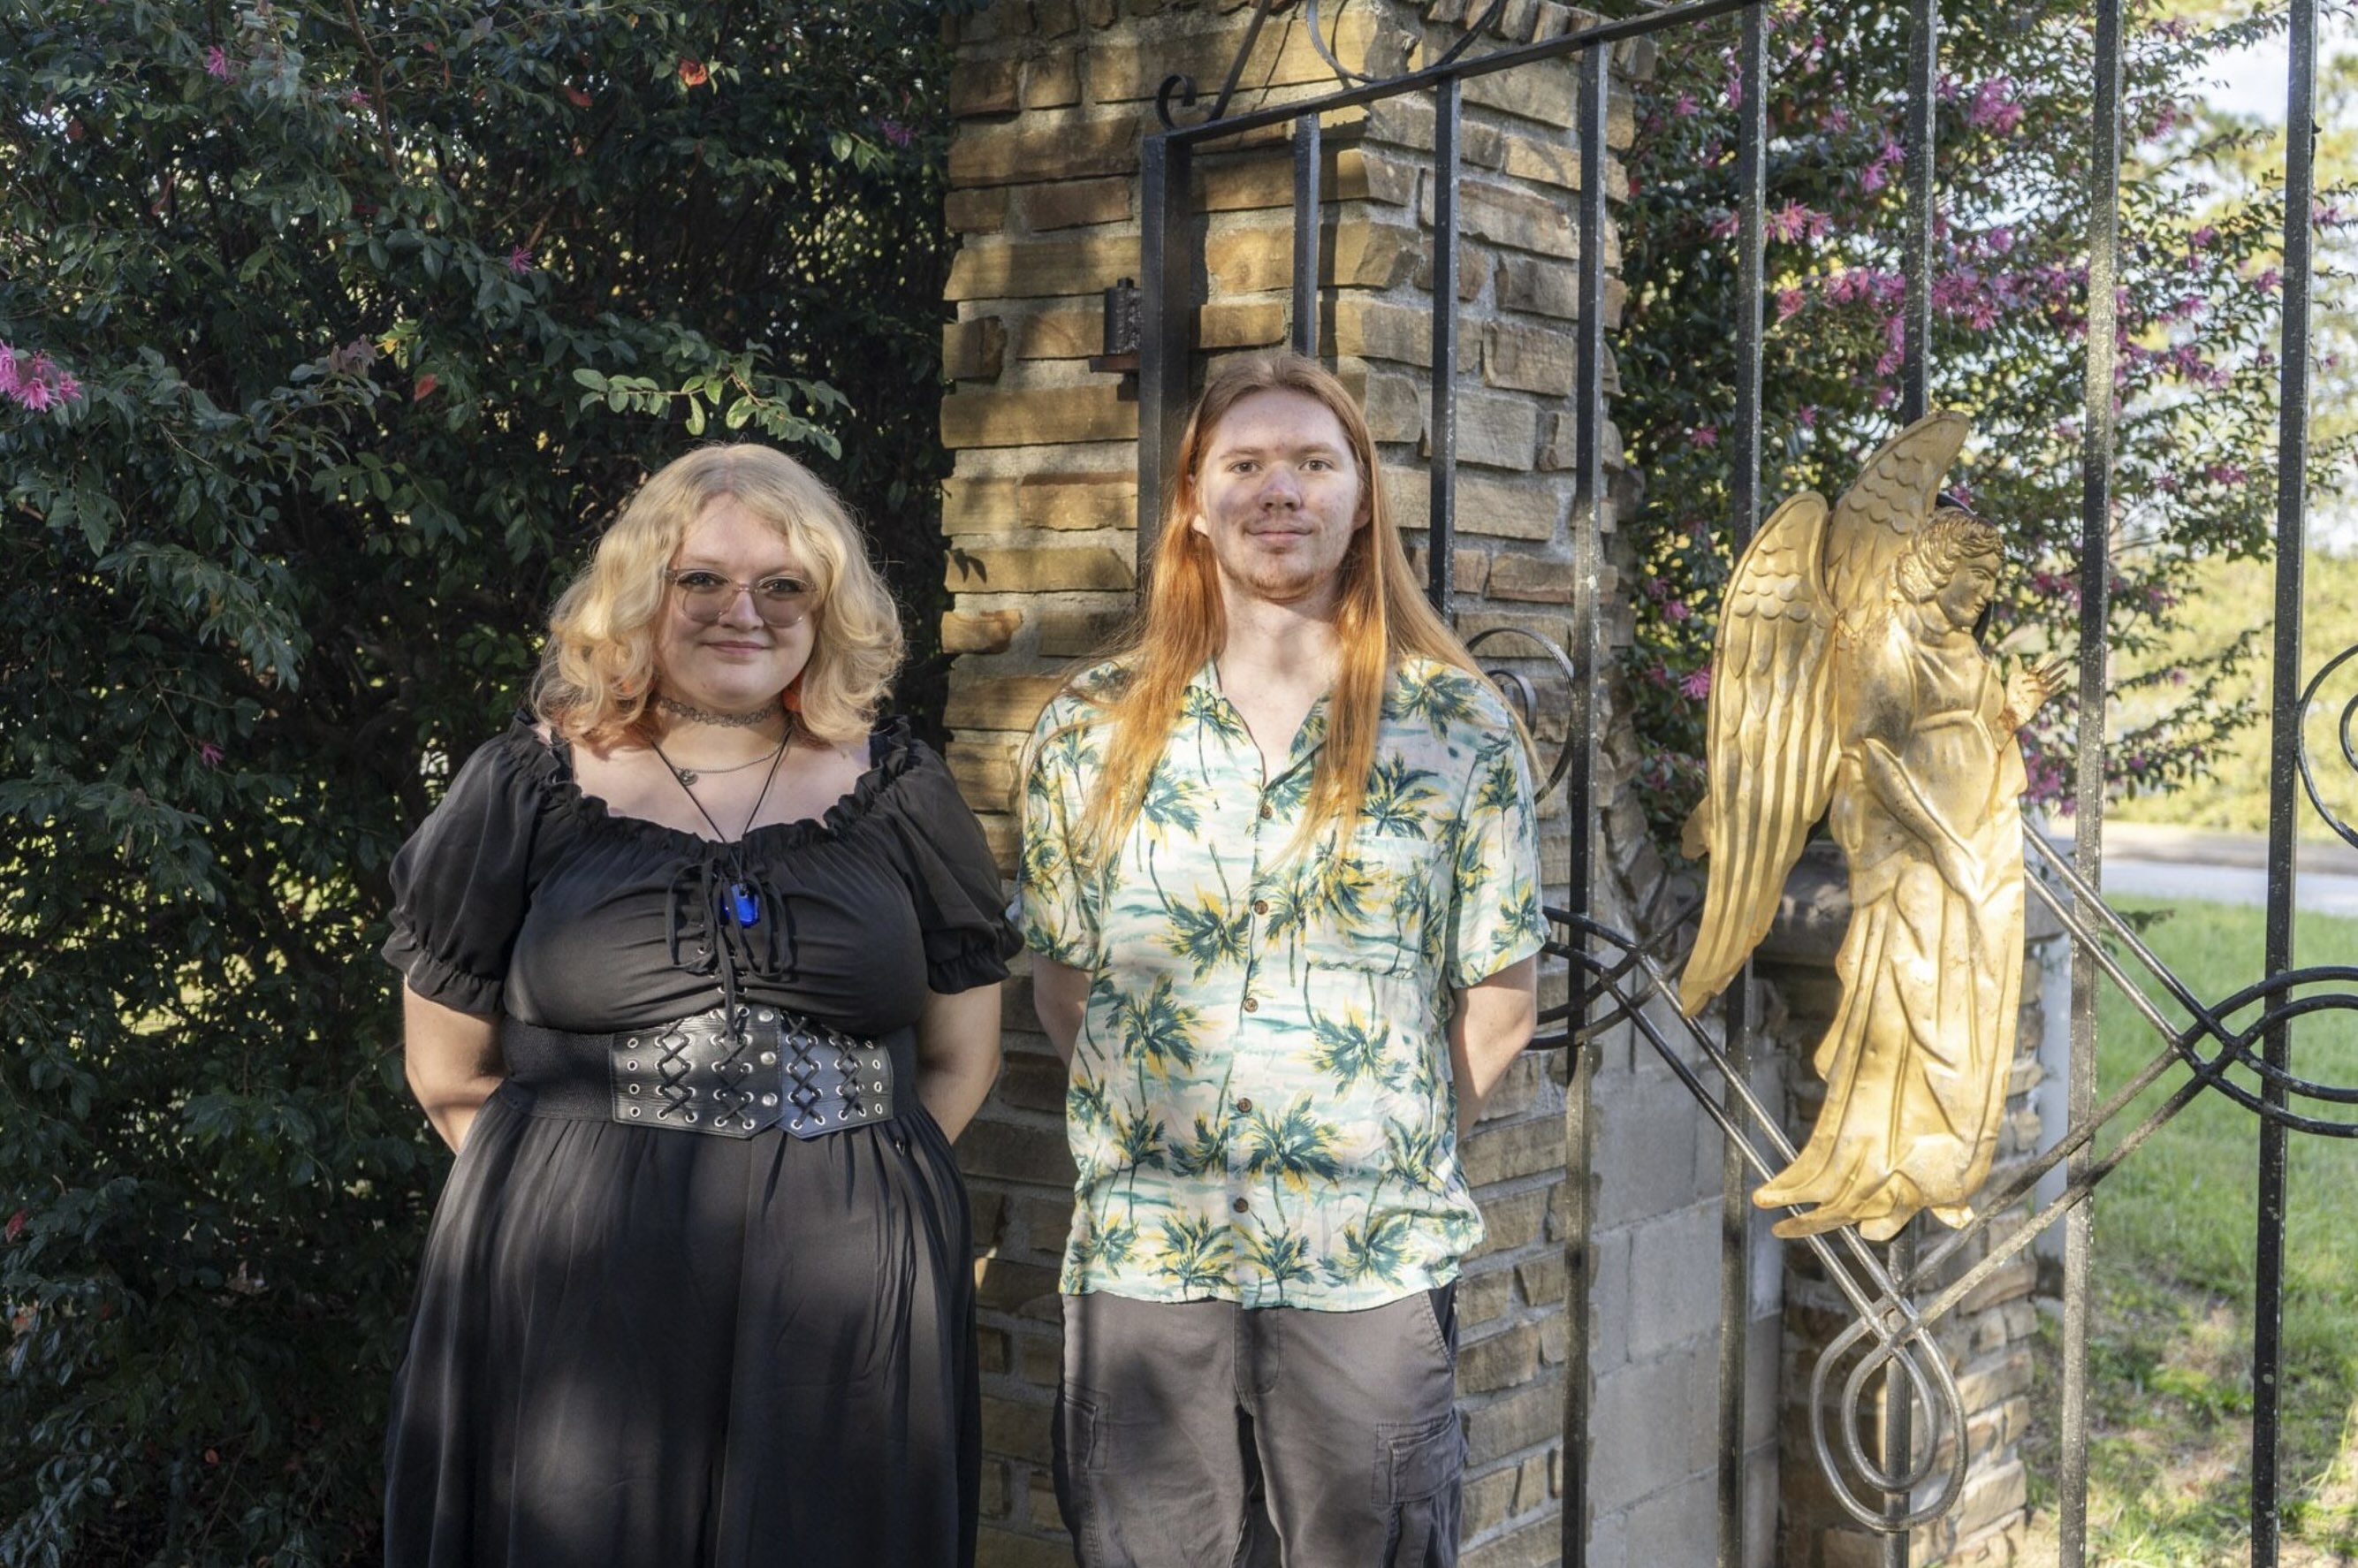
<point>1381,617</point>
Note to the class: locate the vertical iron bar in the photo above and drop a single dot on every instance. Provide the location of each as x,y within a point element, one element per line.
<point>1441,527</point>
<point>1915,402</point>
<point>2096,437</point>
<point>1923,84</point>
<point>1735,1185</point>
<point>1587,546</point>
<point>1307,154</point>
<point>2284,750</point>
<point>1166,309</point>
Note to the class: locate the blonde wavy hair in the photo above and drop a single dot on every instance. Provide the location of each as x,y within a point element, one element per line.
<point>598,672</point>
<point>1381,617</point>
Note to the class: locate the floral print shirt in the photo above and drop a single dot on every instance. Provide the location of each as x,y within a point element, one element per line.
<point>1262,1107</point>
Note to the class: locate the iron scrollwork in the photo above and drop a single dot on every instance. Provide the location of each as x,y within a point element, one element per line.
<point>1181,88</point>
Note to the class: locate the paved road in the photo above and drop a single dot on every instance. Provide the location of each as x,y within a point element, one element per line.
<point>2142,860</point>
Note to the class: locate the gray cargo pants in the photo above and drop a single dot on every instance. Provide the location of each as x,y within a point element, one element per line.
<point>1200,1434</point>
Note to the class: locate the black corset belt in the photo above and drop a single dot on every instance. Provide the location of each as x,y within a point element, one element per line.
<point>777,1068</point>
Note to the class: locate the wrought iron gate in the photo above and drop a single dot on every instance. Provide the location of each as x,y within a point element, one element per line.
<point>2240,1047</point>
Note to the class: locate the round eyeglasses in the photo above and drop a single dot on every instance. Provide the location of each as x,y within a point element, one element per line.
<point>704,597</point>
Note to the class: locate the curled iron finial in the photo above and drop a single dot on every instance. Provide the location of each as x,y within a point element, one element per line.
<point>1350,77</point>
<point>1517,688</point>
<point>2345,731</point>
<point>1183,86</point>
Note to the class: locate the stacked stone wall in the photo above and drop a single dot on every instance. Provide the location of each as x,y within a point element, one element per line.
<point>1055,96</point>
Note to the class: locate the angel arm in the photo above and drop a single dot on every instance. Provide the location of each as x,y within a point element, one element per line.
<point>1875,735</point>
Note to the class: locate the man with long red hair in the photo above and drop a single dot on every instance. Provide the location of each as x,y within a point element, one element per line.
<point>1280,880</point>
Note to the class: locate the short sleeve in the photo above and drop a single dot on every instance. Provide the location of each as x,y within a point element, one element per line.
<point>953,879</point>
<point>461,883</point>
<point>1494,918</point>
<point>1053,909</point>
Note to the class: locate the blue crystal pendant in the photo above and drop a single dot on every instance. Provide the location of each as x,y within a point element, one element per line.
<point>743,904</point>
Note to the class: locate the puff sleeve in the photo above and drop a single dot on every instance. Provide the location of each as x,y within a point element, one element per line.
<point>953,879</point>
<point>461,883</point>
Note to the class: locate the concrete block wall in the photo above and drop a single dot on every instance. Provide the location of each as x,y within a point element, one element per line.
<point>1989,1341</point>
<point>1053,97</point>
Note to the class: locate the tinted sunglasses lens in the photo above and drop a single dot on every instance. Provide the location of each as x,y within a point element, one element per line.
<point>780,601</point>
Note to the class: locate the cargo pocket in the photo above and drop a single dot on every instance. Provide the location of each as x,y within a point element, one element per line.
<point>1417,1471</point>
<point>1078,1469</point>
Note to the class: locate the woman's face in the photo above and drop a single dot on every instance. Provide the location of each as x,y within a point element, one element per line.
<point>1969,589</point>
<point>737,661</point>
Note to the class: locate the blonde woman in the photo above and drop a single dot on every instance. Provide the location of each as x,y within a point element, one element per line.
<point>702,969</point>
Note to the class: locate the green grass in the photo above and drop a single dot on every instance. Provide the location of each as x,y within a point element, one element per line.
<point>2170,1385</point>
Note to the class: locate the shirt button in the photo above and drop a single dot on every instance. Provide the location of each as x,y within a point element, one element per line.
<point>1267,811</point>
<point>1261,906</point>
<point>1244,1107</point>
<point>1239,1204</point>
<point>1252,1005</point>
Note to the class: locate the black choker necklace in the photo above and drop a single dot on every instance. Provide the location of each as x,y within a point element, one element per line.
<point>695,715</point>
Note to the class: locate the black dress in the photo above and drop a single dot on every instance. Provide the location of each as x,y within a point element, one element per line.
<point>648,1348</point>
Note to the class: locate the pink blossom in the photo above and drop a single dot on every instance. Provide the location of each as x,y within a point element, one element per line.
<point>8,376</point>
<point>1788,304</point>
<point>1660,675</point>
<point>68,389</point>
<point>1697,683</point>
<point>1871,179</point>
<point>893,131</point>
<point>1807,417</point>
<point>2203,237</point>
<point>1999,240</point>
<point>1723,226</point>
<point>2268,281</point>
<point>1884,396</point>
<point>1994,107</point>
<point>208,754</point>
<point>1792,220</point>
<point>1735,90</point>
<point>1835,121</point>
<point>2227,473</point>
<point>1676,609</point>
<point>356,99</point>
<point>520,260</point>
<point>36,395</point>
<point>1705,434</point>
<point>1684,105</point>
<point>217,64</point>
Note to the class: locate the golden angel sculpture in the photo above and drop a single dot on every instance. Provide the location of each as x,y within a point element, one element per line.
<point>1847,682</point>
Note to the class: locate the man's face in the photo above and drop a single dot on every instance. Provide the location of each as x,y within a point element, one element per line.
<point>1278,497</point>
<point>1967,592</point>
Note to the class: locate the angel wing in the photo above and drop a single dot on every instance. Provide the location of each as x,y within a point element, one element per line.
<point>1772,746</point>
<point>1892,496</point>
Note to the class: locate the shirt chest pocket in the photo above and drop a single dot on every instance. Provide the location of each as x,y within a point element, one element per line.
<point>1370,907</point>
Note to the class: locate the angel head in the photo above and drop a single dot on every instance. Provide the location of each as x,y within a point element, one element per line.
<point>1952,562</point>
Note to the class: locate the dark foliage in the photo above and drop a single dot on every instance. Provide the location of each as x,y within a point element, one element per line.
<point>352,318</point>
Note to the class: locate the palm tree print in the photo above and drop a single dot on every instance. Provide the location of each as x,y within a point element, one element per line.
<point>1440,696</point>
<point>1282,1255</point>
<point>1194,1254</point>
<point>1170,802</point>
<point>1292,1147</point>
<point>1202,1154</point>
<point>1205,934</point>
<point>1352,1049</point>
<point>1399,796</point>
<point>1377,1251</point>
<point>1158,1028</point>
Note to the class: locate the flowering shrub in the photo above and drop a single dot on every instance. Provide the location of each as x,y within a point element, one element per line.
<point>2197,298</point>
<point>328,334</point>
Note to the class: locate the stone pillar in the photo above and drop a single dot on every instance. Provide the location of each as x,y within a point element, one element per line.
<point>1053,97</point>
<point>1988,1340</point>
